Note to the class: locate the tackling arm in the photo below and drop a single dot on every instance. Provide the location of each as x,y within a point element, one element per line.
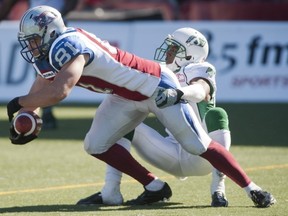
<point>198,90</point>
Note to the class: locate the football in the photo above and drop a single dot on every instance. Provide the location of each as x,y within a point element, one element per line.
<point>28,123</point>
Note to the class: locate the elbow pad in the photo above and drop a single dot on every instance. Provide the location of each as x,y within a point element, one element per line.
<point>194,93</point>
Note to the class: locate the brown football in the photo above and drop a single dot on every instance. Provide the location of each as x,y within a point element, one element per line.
<point>27,123</point>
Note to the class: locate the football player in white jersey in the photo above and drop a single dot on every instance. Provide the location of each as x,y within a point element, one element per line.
<point>65,57</point>
<point>166,153</point>
<point>64,6</point>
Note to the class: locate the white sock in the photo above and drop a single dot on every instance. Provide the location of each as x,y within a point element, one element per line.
<point>113,178</point>
<point>155,185</point>
<point>218,181</point>
<point>111,193</point>
<point>250,187</point>
<point>223,137</point>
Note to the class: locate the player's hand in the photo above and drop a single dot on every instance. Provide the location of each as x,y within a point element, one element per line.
<point>12,107</point>
<point>19,139</point>
<point>168,97</point>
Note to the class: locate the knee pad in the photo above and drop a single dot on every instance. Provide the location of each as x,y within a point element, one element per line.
<point>88,145</point>
<point>92,146</point>
<point>216,119</point>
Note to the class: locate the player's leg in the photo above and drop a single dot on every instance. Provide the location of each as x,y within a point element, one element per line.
<point>107,128</point>
<point>164,153</point>
<point>110,194</point>
<point>218,128</point>
<point>167,154</point>
<point>196,141</point>
<point>217,124</point>
<point>188,131</point>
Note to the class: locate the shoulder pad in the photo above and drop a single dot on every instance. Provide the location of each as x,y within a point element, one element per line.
<point>64,49</point>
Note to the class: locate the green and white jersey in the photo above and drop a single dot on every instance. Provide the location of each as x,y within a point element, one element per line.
<point>203,70</point>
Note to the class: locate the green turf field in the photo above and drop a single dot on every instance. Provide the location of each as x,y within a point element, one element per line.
<point>49,175</point>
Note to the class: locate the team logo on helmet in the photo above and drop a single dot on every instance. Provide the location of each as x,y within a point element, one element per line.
<point>44,19</point>
<point>192,40</point>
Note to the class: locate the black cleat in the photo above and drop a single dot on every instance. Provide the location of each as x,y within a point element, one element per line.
<point>262,199</point>
<point>148,197</point>
<point>94,199</point>
<point>219,200</point>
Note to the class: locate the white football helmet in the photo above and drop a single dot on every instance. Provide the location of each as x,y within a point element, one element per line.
<point>184,46</point>
<point>43,24</point>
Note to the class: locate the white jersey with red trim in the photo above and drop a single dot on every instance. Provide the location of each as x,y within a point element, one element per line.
<point>124,76</point>
<point>109,69</point>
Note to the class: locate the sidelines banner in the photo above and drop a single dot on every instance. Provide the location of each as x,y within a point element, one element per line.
<point>251,58</point>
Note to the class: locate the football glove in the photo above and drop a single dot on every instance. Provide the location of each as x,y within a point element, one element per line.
<point>168,97</point>
<point>19,139</point>
<point>12,107</point>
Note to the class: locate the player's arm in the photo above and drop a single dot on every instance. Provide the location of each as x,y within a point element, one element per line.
<point>59,89</point>
<point>38,84</point>
<point>198,90</point>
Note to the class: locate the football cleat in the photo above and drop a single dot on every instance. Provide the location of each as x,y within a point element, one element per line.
<point>94,199</point>
<point>219,200</point>
<point>148,197</point>
<point>262,199</point>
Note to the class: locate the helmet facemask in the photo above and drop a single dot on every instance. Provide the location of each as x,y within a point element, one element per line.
<point>39,27</point>
<point>182,47</point>
<point>172,53</point>
<point>33,47</point>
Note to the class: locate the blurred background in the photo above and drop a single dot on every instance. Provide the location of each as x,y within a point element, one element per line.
<point>248,46</point>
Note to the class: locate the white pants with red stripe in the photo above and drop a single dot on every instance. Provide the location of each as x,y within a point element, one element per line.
<point>117,116</point>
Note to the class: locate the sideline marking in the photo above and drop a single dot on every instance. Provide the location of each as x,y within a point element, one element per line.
<point>279,166</point>
<point>63,187</point>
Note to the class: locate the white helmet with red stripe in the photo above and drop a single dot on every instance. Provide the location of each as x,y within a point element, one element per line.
<point>184,46</point>
<point>42,22</point>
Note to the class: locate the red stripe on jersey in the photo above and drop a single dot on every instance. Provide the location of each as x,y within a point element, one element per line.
<point>95,41</point>
<point>141,64</point>
<point>102,86</point>
<point>128,59</point>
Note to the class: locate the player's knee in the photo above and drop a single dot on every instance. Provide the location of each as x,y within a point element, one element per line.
<point>216,119</point>
<point>98,146</point>
<point>88,145</point>
<point>91,146</point>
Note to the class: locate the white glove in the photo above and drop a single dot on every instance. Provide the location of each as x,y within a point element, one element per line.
<point>168,97</point>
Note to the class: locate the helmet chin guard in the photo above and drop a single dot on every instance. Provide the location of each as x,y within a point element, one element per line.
<point>184,46</point>
<point>39,27</point>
